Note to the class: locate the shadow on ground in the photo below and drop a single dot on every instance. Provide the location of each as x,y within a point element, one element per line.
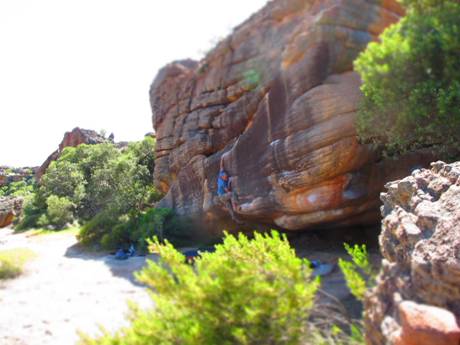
<point>119,268</point>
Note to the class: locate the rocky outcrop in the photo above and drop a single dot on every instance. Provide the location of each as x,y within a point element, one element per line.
<point>417,299</point>
<point>9,175</point>
<point>276,101</point>
<point>73,138</point>
<point>10,207</point>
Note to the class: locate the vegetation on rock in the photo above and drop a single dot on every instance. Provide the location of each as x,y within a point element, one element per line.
<point>411,81</point>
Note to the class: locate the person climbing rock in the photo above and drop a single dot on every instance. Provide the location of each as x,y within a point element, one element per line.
<point>222,183</point>
<point>225,192</point>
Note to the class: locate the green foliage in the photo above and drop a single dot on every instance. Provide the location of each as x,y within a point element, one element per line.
<point>59,212</point>
<point>359,273</point>
<point>411,81</point>
<point>18,189</point>
<point>63,178</point>
<point>153,222</point>
<point>93,230</point>
<point>33,208</point>
<point>247,292</point>
<point>337,336</point>
<point>12,262</point>
<point>97,184</point>
<point>420,6</point>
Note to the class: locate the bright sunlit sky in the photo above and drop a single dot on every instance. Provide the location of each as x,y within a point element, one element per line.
<point>90,63</point>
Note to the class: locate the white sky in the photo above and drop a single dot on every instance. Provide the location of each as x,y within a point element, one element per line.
<point>89,63</point>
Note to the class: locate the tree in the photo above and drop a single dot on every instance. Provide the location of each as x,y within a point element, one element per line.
<point>411,81</point>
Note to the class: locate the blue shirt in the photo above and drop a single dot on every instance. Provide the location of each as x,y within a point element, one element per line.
<point>222,185</point>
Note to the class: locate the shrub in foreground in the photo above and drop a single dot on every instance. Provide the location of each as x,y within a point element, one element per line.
<point>359,273</point>
<point>246,292</point>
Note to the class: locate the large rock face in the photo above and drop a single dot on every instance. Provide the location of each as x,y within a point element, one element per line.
<point>73,138</point>
<point>276,101</point>
<point>417,299</point>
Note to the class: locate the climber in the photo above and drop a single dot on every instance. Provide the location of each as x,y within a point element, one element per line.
<point>225,191</point>
<point>222,183</point>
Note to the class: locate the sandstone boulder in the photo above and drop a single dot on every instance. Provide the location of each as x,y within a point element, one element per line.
<point>10,207</point>
<point>276,101</point>
<point>73,138</point>
<point>417,299</point>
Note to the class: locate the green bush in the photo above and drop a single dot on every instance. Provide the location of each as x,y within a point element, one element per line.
<point>99,178</point>
<point>94,230</point>
<point>59,212</point>
<point>106,186</point>
<point>247,292</point>
<point>20,188</point>
<point>32,210</point>
<point>360,276</point>
<point>137,229</point>
<point>411,81</point>
<point>359,273</point>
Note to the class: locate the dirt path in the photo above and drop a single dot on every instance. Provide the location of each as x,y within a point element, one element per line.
<point>64,290</point>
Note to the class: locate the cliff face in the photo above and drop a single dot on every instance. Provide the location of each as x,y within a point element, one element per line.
<point>276,101</point>
<point>417,299</point>
<point>75,137</point>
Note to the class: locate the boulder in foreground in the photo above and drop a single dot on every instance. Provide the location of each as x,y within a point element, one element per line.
<point>417,299</point>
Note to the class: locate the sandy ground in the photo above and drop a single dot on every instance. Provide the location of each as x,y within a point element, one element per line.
<point>64,290</point>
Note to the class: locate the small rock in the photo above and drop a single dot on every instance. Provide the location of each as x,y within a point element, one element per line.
<point>427,325</point>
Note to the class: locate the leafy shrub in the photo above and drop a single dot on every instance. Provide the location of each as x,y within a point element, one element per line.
<point>360,277</point>
<point>63,179</point>
<point>359,273</point>
<point>246,292</point>
<point>59,212</point>
<point>32,210</point>
<point>411,81</point>
<point>104,184</point>
<point>137,230</point>
<point>93,230</point>
<point>19,188</point>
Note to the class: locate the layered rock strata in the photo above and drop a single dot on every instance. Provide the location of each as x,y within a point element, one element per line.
<point>276,102</point>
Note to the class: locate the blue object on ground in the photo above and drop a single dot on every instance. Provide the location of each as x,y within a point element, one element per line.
<point>315,263</point>
<point>322,270</point>
<point>121,255</point>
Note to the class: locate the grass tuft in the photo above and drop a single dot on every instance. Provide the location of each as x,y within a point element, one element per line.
<point>12,262</point>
